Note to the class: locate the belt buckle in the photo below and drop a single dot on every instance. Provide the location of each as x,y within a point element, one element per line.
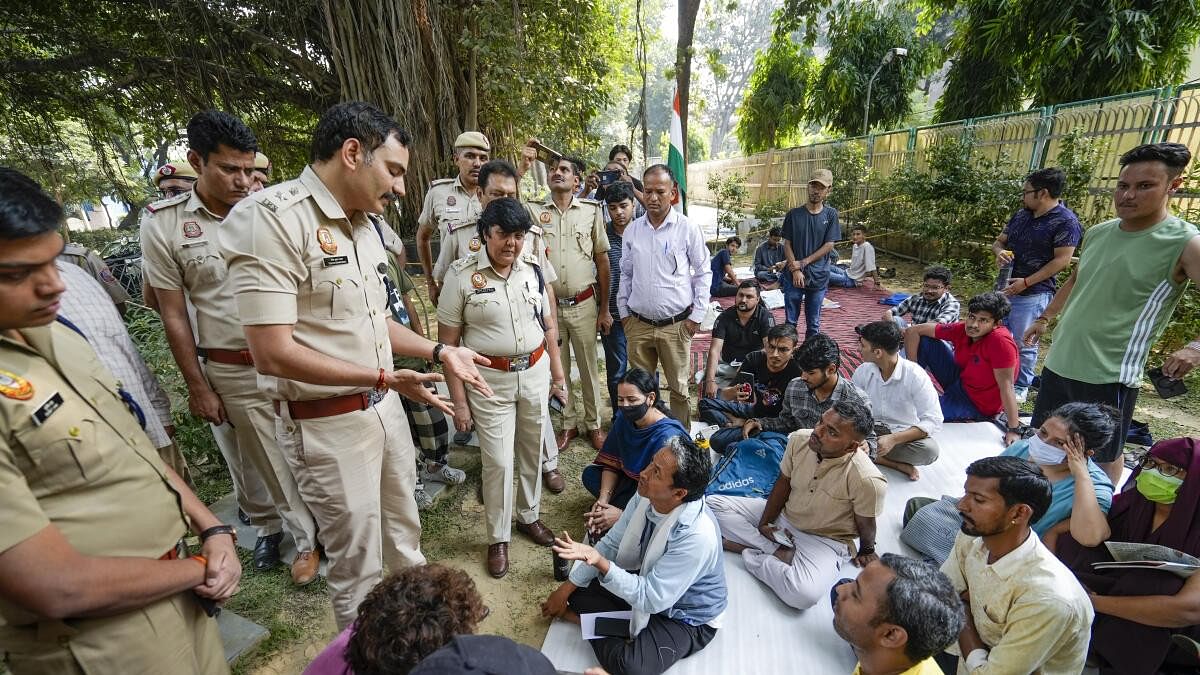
<point>566,302</point>
<point>518,363</point>
<point>375,396</point>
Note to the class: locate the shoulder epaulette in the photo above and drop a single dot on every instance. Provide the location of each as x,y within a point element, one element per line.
<point>458,225</point>
<point>536,230</point>
<point>282,196</point>
<point>441,181</point>
<point>156,206</point>
<point>465,262</point>
<point>593,202</point>
<point>73,248</point>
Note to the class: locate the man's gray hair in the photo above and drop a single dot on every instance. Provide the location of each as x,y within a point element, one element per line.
<point>922,601</point>
<point>693,467</point>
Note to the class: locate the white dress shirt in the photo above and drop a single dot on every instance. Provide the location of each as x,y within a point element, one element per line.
<point>906,399</point>
<point>664,269</point>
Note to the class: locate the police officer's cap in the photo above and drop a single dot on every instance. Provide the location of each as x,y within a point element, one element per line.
<point>472,139</point>
<point>176,169</point>
<point>261,162</point>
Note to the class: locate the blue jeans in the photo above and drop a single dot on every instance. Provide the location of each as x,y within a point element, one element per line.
<point>616,360</point>
<point>938,358</point>
<point>811,299</point>
<point>839,277</point>
<point>1026,308</point>
<point>718,411</point>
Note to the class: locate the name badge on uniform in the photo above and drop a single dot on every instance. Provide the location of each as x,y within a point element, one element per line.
<point>336,260</point>
<point>47,409</point>
<point>489,289</point>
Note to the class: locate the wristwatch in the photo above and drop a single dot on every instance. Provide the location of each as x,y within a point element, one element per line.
<point>219,529</point>
<point>436,357</point>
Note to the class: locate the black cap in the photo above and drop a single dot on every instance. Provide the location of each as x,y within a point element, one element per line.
<point>484,655</point>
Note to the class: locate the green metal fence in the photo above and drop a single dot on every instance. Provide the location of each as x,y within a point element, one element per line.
<point>1031,138</point>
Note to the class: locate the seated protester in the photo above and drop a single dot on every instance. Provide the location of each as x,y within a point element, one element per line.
<point>897,615</point>
<point>815,391</point>
<point>772,369</point>
<point>1080,490</point>
<point>769,258</point>
<point>642,425</point>
<point>862,263</point>
<point>1026,613</point>
<point>1138,610</point>
<point>409,615</point>
<point>724,281</point>
<point>484,655</point>
<point>906,406</point>
<point>934,304</point>
<point>739,330</point>
<point>977,367</point>
<point>662,560</point>
<point>828,494</point>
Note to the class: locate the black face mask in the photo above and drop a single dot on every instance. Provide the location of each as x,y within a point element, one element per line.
<point>635,413</point>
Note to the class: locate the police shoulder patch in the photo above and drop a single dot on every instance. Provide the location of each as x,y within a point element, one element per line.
<point>592,202</point>
<point>536,230</point>
<point>464,263</point>
<point>159,205</point>
<point>441,181</point>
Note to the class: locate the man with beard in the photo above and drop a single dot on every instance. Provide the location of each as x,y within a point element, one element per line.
<point>739,330</point>
<point>809,232</point>
<point>307,268</point>
<point>451,201</point>
<point>828,494</point>
<point>495,302</point>
<point>772,369</point>
<point>184,266</point>
<point>897,615</point>
<point>1026,612</point>
<point>934,304</point>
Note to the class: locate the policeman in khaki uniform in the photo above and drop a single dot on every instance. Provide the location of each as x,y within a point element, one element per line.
<point>90,575</point>
<point>94,265</point>
<point>452,202</point>
<point>495,303</point>
<point>183,264</point>
<point>308,271</point>
<point>577,246</point>
<point>174,178</point>
<point>497,179</point>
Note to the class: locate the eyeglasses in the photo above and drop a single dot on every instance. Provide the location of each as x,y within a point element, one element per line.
<point>932,287</point>
<point>168,193</point>
<point>1162,467</point>
<point>1027,192</point>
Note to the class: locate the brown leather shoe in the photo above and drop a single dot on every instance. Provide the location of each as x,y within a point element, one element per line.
<point>497,559</point>
<point>597,437</point>
<point>537,531</point>
<point>564,437</point>
<point>305,567</point>
<point>553,481</point>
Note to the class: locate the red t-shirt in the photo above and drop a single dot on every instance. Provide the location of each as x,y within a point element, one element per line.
<point>976,361</point>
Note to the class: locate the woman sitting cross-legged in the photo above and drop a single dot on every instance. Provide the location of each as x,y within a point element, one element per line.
<point>641,426</point>
<point>1147,620</point>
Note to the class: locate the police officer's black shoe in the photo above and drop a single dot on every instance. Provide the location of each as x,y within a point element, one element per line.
<point>243,518</point>
<point>266,551</point>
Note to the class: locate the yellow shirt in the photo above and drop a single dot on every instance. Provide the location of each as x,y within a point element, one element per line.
<point>574,238</point>
<point>926,667</point>
<point>1027,607</point>
<point>826,495</point>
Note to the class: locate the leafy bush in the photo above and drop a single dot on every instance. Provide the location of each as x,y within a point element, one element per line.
<point>96,240</point>
<point>1079,157</point>
<point>765,210</point>
<point>848,163</point>
<point>729,191</point>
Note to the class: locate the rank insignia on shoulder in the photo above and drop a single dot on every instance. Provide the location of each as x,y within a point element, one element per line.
<point>269,205</point>
<point>473,244</point>
<point>325,239</point>
<point>191,229</point>
<point>477,280</point>
<point>15,387</point>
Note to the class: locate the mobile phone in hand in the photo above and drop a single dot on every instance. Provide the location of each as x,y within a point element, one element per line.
<point>555,404</point>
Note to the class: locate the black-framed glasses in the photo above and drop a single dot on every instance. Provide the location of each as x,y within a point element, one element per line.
<point>1162,467</point>
<point>1026,192</point>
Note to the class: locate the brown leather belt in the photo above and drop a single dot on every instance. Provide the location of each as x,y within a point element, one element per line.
<point>583,295</point>
<point>232,357</point>
<point>514,364</point>
<point>328,407</point>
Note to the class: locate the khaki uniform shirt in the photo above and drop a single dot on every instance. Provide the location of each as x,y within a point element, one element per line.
<point>94,265</point>
<point>497,315</point>
<point>72,455</point>
<point>182,252</point>
<point>827,494</point>
<point>296,259</point>
<point>447,202</point>
<point>1028,608</point>
<point>463,239</point>
<point>574,238</point>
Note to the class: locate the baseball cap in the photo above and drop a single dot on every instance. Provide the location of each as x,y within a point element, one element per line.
<point>472,139</point>
<point>174,169</point>
<point>262,162</point>
<point>484,655</point>
<point>822,176</point>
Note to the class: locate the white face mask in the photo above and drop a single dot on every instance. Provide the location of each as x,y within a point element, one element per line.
<point>1043,453</point>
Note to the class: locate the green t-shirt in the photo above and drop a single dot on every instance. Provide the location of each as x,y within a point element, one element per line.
<point>1122,301</point>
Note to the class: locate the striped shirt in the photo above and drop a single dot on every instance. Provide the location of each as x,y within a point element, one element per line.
<point>614,266</point>
<point>944,310</point>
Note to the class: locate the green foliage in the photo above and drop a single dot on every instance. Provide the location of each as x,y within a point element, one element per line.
<point>97,240</point>
<point>769,209</point>
<point>1079,158</point>
<point>729,191</point>
<point>774,106</point>
<point>848,163</point>
<point>859,35</point>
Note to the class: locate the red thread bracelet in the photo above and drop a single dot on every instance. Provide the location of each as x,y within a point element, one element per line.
<point>200,559</point>
<point>380,383</point>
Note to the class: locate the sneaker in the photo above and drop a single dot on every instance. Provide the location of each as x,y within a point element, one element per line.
<point>422,498</point>
<point>443,474</point>
<point>1022,393</point>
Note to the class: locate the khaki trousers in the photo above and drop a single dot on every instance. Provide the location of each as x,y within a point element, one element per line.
<point>577,330</point>
<point>249,489</point>
<point>670,346</point>
<point>252,417</point>
<point>173,457</point>
<point>357,472</point>
<point>509,425</point>
<point>172,635</point>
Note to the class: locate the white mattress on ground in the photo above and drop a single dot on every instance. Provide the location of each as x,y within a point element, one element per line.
<point>762,635</point>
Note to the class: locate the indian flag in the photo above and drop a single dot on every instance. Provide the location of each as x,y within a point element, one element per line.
<point>675,153</point>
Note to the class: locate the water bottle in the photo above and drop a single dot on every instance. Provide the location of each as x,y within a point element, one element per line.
<point>1005,272</point>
